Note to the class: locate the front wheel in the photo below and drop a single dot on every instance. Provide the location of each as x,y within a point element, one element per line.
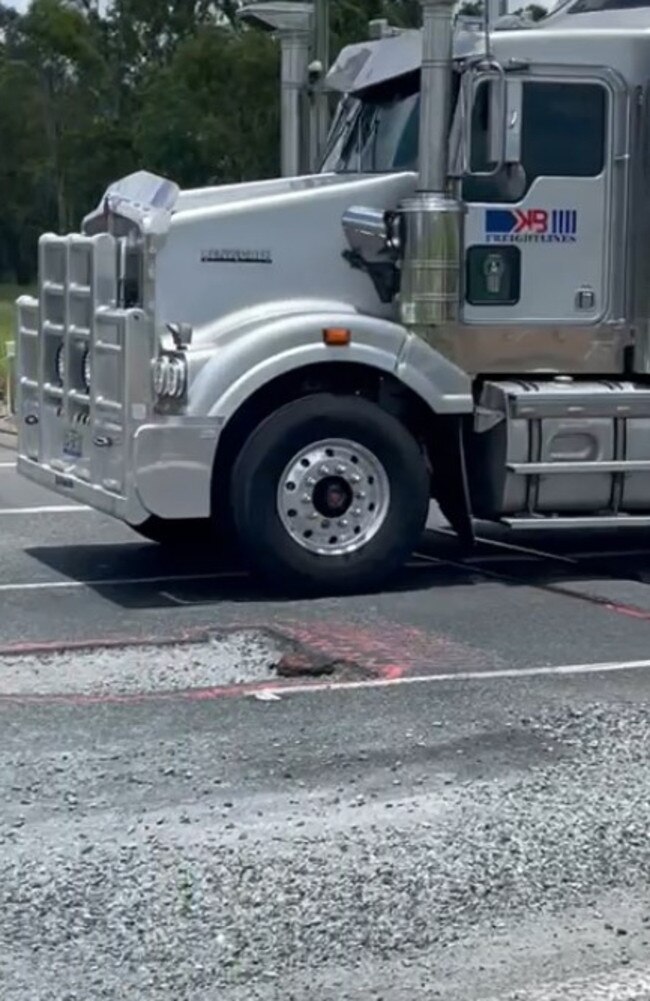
<point>329,493</point>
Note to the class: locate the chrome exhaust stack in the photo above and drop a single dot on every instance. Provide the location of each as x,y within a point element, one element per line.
<point>430,292</point>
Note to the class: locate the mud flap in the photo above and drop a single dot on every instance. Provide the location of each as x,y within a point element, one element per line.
<point>450,486</point>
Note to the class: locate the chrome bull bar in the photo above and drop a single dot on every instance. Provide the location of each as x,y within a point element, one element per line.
<point>84,383</point>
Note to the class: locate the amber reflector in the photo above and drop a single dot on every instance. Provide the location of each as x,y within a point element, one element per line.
<point>336,336</point>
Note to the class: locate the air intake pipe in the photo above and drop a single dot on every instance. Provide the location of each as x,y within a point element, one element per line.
<point>430,290</point>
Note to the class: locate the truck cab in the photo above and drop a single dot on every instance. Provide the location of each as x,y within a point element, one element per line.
<point>455,307</point>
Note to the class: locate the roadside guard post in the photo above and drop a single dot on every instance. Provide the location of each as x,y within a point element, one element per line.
<point>10,356</point>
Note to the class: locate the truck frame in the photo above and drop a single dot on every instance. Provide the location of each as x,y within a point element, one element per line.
<point>454,308</point>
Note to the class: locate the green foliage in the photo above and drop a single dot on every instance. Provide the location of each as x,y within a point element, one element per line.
<point>212,111</point>
<point>471,8</point>
<point>534,11</point>
<point>8,295</point>
<point>89,93</point>
<point>475,8</point>
<point>91,90</point>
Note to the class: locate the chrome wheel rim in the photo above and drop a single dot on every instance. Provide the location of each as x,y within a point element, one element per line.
<point>333,497</point>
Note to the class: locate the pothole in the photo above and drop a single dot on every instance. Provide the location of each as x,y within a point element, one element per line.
<point>241,657</point>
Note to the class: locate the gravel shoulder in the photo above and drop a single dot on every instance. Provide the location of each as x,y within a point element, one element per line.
<point>444,841</point>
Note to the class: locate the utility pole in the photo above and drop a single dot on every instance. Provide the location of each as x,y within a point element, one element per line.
<point>496,9</point>
<point>290,21</point>
<point>320,103</point>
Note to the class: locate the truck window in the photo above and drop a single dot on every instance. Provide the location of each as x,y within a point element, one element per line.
<point>377,133</point>
<point>563,135</point>
<point>594,6</point>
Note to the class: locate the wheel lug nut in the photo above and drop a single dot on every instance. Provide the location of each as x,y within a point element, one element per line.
<point>310,481</point>
<point>324,470</point>
<point>357,512</point>
<point>361,495</point>
<point>340,470</point>
<point>355,478</point>
<point>306,499</point>
<point>343,523</point>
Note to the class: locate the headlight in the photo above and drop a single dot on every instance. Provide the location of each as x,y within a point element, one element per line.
<point>86,369</point>
<point>170,376</point>
<point>59,364</point>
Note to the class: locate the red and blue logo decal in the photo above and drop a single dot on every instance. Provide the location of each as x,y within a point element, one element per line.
<point>531,225</point>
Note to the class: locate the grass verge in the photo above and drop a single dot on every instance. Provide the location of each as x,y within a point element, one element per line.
<point>8,296</point>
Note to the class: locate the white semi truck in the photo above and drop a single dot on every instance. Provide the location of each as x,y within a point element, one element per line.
<point>456,307</point>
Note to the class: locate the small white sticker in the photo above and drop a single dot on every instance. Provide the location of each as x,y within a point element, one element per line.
<point>138,411</point>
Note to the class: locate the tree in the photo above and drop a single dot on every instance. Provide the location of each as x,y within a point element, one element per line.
<point>349,18</point>
<point>211,115</point>
<point>475,8</point>
<point>91,91</point>
<point>534,11</point>
<point>471,8</point>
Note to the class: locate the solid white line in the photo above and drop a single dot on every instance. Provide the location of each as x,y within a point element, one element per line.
<point>623,984</point>
<point>7,465</point>
<point>186,602</point>
<point>609,553</point>
<point>608,667</point>
<point>513,547</point>
<point>45,509</point>
<point>501,558</point>
<point>62,585</point>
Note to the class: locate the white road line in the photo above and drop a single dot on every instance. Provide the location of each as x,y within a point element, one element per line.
<point>623,984</point>
<point>7,465</point>
<point>513,547</point>
<point>609,553</point>
<point>186,602</point>
<point>45,509</point>
<point>503,558</point>
<point>192,602</point>
<point>608,667</point>
<point>63,585</point>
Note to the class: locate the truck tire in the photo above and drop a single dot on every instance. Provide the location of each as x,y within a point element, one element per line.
<point>329,494</point>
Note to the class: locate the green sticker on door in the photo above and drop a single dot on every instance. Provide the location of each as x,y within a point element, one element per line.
<point>493,275</point>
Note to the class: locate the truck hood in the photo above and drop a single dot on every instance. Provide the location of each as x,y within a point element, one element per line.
<point>150,202</point>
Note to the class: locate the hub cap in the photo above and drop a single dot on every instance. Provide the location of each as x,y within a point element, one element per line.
<point>333,497</point>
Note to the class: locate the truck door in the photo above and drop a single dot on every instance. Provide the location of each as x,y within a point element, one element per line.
<point>537,233</point>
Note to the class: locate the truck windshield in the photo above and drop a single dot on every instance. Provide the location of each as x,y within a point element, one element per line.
<point>377,133</point>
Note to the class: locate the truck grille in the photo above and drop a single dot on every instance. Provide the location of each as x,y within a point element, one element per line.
<point>79,359</point>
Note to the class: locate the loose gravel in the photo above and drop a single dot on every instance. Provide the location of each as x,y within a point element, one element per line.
<point>239,658</point>
<point>250,883</point>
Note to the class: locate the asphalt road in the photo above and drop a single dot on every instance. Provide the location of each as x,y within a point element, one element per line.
<point>458,810</point>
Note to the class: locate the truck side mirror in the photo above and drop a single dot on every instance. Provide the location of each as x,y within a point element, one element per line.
<point>491,120</point>
<point>514,102</point>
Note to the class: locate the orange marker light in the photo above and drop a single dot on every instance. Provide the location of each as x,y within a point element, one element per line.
<point>336,337</point>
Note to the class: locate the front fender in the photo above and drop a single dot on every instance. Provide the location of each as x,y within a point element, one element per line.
<point>236,369</point>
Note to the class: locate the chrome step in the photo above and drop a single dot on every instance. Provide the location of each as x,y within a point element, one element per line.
<point>554,468</point>
<point>579,521</point>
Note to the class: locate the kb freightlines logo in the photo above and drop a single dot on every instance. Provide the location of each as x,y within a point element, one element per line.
<point>531,225</point>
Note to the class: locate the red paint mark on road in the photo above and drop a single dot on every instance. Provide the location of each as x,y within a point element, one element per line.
<point>388,651</point>
<point>34,649</point>
<point>629,610</point>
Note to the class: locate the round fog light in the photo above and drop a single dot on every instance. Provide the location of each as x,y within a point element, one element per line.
<point>169,376</point>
